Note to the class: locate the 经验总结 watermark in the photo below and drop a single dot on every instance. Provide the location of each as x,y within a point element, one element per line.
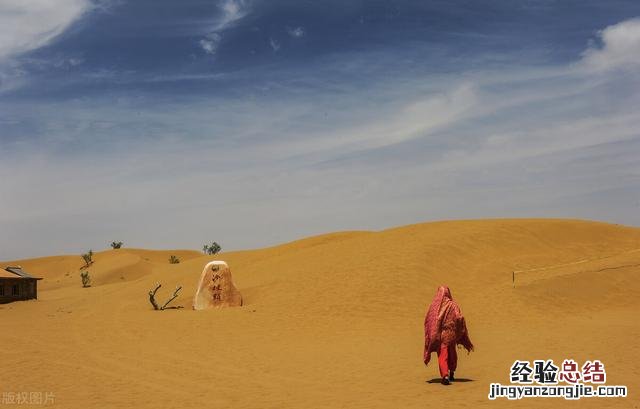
<point>544,379</point>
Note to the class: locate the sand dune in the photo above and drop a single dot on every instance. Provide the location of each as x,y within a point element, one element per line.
<point>331,321</point>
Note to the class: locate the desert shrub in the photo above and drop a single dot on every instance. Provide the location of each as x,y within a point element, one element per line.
<point>173,259</point>
<point>116,244</point>
<point>213,248</point>
<point>88,257</point>
<point>86,279</point>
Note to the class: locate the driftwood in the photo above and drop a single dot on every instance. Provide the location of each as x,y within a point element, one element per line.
<point>173,297</point>
<point>152,298</point>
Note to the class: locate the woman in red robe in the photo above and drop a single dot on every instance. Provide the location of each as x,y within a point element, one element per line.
<point>444,328</point>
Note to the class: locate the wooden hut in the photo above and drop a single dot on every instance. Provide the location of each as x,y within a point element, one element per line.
<point>16,284</point>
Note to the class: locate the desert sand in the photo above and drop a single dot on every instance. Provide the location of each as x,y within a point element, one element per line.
<point>333,321</point>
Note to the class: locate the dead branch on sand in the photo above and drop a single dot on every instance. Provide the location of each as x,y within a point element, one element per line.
<point>173,297</point>
<point>152,298</point>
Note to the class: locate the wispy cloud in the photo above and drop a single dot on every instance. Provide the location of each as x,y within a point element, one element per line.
<point>12,76</point>
<point>230,11</point>
<point>554,140</point>
<point>27,24</point>
<point>210,43</point>
<point>296,32</point>
<point>275,46</point>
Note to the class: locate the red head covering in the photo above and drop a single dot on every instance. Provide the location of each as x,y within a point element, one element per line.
<point>444,323</point>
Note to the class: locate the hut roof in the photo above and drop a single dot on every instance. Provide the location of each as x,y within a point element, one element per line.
<point>13,271</point>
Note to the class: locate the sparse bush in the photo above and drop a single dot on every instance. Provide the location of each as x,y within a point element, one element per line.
<point>88,258</point>
<point>173,259</point>
<point>213,248</point>
<point>86,279</point>
<point>116,244</point>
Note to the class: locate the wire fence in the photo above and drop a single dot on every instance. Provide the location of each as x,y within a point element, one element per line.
<point>515,273</point>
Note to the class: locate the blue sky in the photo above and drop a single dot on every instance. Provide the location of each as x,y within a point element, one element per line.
<point>169,124</point>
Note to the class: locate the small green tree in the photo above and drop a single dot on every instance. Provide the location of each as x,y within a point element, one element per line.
<point>213,248</point>
<point>86,279</point>
<point>88,258</point>
<point>173,259</point>
<point>116,244</point>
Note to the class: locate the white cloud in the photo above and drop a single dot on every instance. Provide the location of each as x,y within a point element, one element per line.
<point>26,25</point>
<point>619,47</point>
<point>296,32</point>
<point>210,43</point>
<point>230,12</point>
<point>274,44</point>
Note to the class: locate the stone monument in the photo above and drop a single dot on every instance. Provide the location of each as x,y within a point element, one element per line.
<point>216,288</point>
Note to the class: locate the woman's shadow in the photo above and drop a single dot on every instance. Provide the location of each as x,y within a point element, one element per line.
<point>438,380</point>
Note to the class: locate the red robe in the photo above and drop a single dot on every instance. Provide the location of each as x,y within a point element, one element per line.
<point>444,325</point>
